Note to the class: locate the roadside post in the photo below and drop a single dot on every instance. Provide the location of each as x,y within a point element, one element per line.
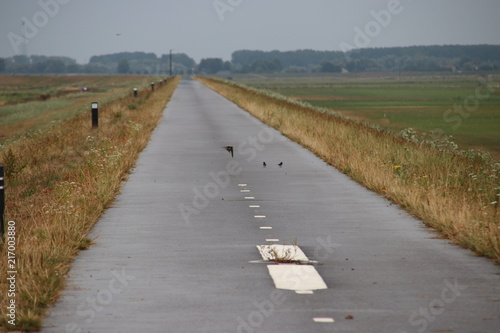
<point>135,92</point>
<point>152,86</point>
<point>95,114</point>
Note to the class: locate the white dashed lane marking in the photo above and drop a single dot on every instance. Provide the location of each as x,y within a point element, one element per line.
<point>303,279</point>
<point>323,320</point>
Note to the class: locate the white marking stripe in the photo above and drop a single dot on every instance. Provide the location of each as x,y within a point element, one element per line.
<point>265,227</point>
<point>324,320</point>
<point>244,191</point>
<point>272,240</point>
<point>241,185</point>
<point>304,292</point>
<point>290,276</point>
<point>291,252</point>
<point>259,216</point>
<point>249,198</point>
<point>296,277</point>
<point>254,206</point>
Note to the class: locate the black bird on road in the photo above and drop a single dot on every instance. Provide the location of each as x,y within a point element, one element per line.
<point>280,164</point>
<point>229,149</point>
<point>264,164</point>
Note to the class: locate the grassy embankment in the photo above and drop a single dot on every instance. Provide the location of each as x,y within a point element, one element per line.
<point>455,192</point>
<point>58,182</point>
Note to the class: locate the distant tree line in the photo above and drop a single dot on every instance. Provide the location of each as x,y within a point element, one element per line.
<point>213,66</point>
<point>38,64</point>
<point>121,63</point>
<point>412,58</point>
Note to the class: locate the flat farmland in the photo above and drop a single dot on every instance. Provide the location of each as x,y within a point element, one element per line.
<point>33,102</point>
<point>466,107</point>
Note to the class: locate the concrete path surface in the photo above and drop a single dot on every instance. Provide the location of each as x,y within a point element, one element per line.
<point>185,247</point>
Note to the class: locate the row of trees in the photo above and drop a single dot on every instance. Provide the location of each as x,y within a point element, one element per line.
<point>38,64</point>
<point>414,58</point>
<point>144,63</point>
<point>214,65</point>
<point>122,63</point>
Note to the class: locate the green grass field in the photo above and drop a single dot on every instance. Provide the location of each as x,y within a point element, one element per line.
<point>32,102</point>
<point>464,106</point>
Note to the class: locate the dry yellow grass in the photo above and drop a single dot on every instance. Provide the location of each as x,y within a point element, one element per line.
<point>58,184</point>
<point>454,192</point>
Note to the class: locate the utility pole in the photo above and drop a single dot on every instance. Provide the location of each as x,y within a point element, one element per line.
<point>170,62</point>
<point>24,50</point>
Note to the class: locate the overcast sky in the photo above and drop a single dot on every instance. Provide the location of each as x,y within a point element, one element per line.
<point>216,28</point>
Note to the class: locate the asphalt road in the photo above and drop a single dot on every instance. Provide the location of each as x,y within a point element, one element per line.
<point>178,252</point>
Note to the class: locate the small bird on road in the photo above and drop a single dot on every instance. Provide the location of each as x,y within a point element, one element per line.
<point>280,164</point>
<point>229,149</point>
<point>264,164</point>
